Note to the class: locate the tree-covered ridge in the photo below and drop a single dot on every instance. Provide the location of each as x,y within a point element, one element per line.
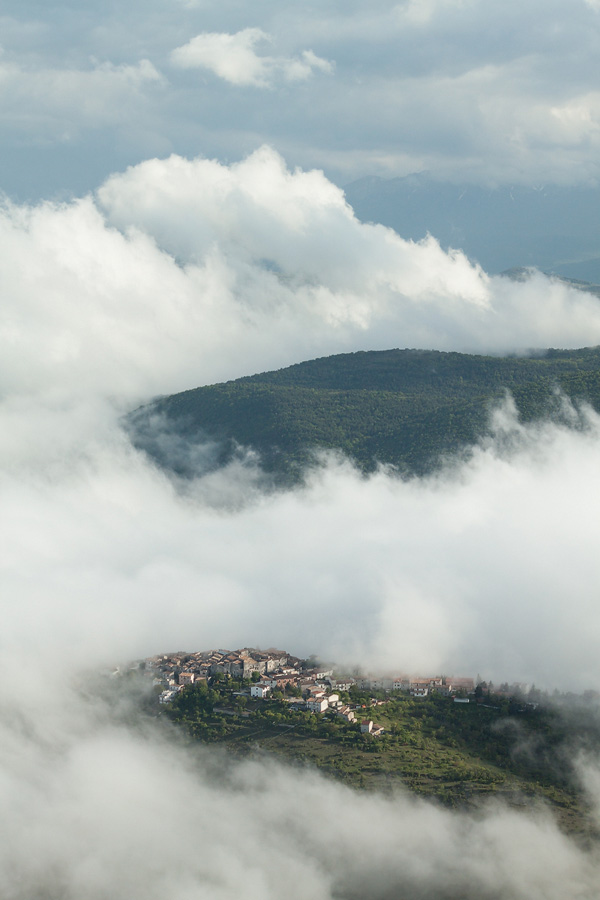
<point>401,407</point>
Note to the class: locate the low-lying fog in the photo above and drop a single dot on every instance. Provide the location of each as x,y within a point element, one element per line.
<point>181,273</point>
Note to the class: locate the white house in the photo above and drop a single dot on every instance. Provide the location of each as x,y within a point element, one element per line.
<point>316,693</point>
<point>344,685</point>
<point>259,690</point>
<point>166,696</point>
<point>317,704</point>
<point>367,726</point>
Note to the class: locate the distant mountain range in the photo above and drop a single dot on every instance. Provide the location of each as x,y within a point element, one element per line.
<point>552,228</point>
<point>406,408</point>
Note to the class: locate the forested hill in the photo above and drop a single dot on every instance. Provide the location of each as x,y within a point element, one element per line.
<point>404,407</point>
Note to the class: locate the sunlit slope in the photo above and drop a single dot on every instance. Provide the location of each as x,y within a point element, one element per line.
<point>458,754</point>
<point>402,407</point>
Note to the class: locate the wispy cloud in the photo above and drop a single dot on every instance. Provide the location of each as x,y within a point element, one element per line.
<point>234,58</point>
<point>56,103</point>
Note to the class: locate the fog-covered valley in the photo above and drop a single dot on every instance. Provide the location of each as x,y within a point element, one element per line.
<point>172,218</point>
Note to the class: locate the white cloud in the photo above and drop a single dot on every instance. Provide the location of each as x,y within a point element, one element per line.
<point>492,565</point>
<point>233,57</point>
<point>189,271</point>
<point>352,275</point>
<point>488,567</point>
<point>97,810</point>
<point>182,272</point>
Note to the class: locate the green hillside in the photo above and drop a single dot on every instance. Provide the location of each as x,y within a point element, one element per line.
<point>402,407</point>
<point>455,754</point>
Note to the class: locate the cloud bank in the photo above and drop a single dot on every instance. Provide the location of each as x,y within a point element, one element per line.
<point>487,568</point>
<point>110,813</point>
<point>183,272</point>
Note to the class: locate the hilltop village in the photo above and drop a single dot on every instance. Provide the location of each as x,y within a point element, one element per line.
<point>455,739</point>
<point>278,675</point>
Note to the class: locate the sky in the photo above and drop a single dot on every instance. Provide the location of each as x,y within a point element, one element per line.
<point>173,216</point>
<point>479,91</point>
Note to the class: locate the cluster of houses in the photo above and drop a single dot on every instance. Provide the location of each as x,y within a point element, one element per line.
<point>417,687</point>
<point>179,669</point>
<point>274,670</point>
